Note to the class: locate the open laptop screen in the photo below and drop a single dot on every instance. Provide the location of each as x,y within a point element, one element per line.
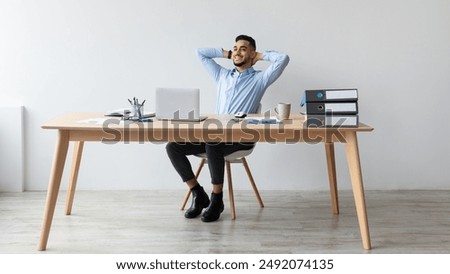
<point>178,104</point>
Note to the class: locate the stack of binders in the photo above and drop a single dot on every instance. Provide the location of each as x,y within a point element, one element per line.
<point>331,107</point>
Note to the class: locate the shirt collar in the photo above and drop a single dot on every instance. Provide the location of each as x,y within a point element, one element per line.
<point>247,71</point>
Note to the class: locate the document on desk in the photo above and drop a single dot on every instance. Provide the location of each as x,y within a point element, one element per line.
<point>94,121</point>
<point>104,121</point>
<point>119,112</point>
<point>262,120</point>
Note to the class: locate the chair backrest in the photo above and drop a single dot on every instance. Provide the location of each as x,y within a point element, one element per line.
<point>258,111</point>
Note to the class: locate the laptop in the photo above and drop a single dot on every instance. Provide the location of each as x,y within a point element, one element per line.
<point>178,104</point>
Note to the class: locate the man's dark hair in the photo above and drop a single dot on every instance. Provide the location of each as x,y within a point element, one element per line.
<point>248,39</point>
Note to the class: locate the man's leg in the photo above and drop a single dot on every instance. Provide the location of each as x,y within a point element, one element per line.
<point>216,162</point>
<point>178,156</point>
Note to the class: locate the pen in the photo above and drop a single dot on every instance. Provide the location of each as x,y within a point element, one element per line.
<point>139,113</point>
<point>145,120</point>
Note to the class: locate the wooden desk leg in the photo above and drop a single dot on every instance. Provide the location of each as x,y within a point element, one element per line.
<point>59,160</point>
<point>331,165</point>
<point>354,166</point>
<point>76,159</point>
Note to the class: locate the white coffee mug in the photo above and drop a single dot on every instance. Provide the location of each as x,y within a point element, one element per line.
<point>283,111</point>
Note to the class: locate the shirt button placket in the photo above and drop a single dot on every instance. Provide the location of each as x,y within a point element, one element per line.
<point>232,92</point>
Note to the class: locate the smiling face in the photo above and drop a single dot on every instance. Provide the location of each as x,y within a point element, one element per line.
<point>243,54</point>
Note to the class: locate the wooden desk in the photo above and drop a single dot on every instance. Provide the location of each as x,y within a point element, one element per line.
<point>94,127</point>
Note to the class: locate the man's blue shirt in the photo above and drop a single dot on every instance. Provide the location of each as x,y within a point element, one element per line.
<point>241,91</point>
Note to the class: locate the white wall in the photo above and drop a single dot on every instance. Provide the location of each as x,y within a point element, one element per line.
<point>11,149</point>
<point>91,55</point>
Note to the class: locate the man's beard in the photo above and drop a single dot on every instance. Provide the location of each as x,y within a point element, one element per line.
<point>239,64</point>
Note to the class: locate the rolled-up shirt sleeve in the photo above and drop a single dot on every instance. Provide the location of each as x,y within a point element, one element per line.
<point>279,62</point>
<point>206,57</point>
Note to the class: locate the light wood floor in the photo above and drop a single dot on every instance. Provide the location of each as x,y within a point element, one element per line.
<point>292,222</point>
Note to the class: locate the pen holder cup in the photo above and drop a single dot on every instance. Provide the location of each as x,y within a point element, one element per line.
<point>137,111</point>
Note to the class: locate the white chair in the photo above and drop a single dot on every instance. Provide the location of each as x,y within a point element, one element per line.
<point>233,158</point>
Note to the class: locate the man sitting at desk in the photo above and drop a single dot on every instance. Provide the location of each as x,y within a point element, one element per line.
<point>238,90</point>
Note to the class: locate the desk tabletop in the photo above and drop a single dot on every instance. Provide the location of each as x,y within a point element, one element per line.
<point>98,120</point>
<point>95,126</point>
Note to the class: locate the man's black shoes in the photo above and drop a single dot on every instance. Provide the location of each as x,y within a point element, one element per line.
<point>200,200</point>
<point>215,208</point>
